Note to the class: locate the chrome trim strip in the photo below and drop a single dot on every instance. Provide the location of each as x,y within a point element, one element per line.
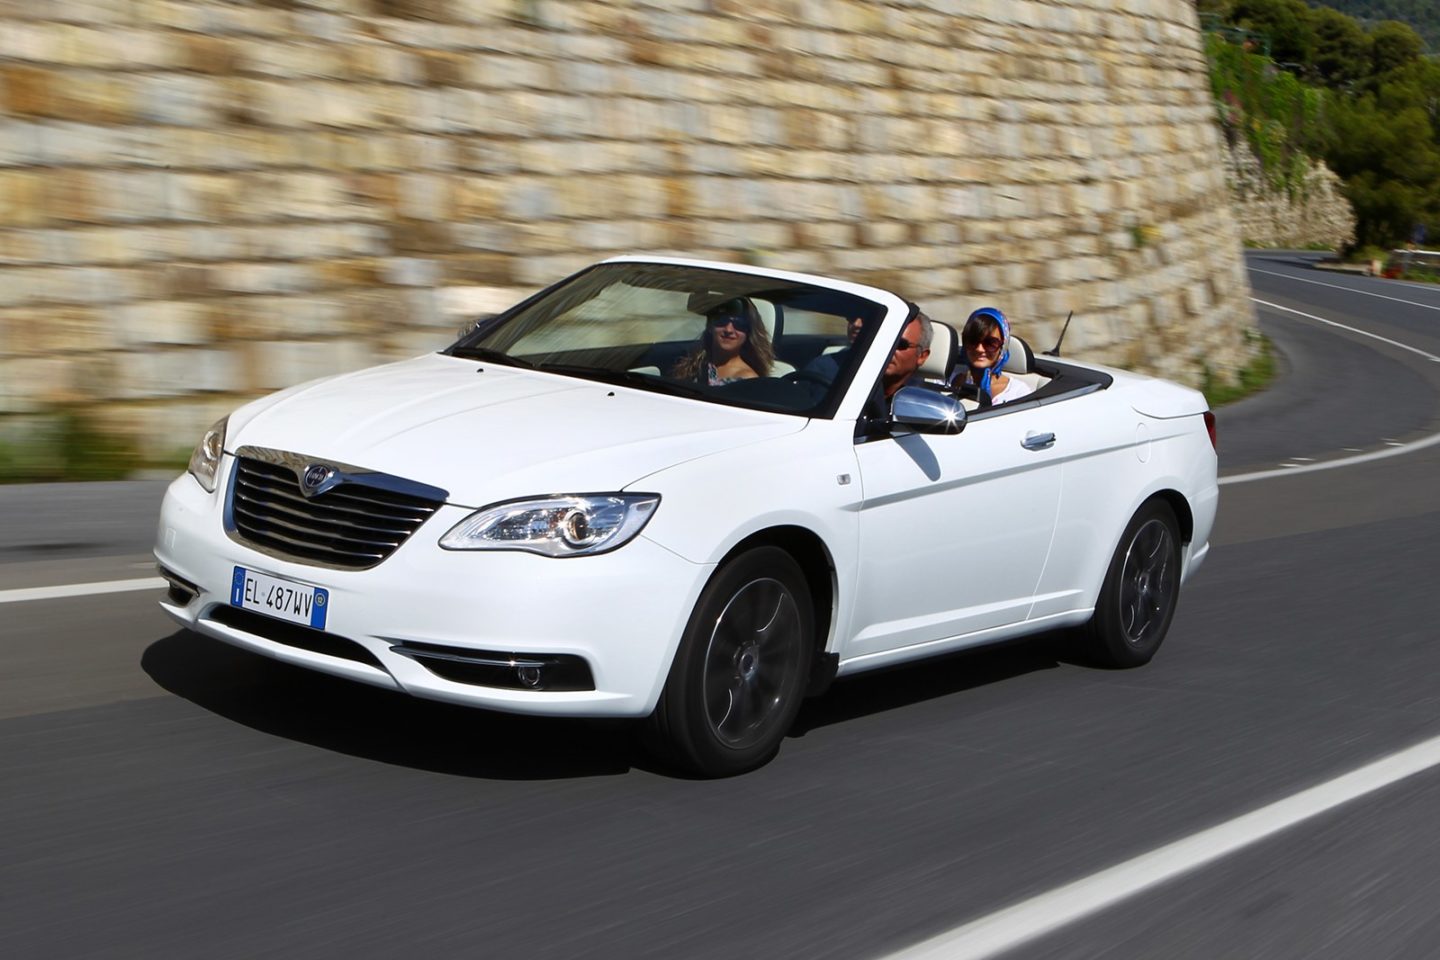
<point>345,473</point>
<point>461,658</point>
<point>310,545</point>
<point>307,518</point>
<point>349,506</point>
<point>261,518</point>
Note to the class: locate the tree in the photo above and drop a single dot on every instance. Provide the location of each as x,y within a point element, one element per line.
<point>1393,45</point>
<point>1386,152</point>
<point>1285,22</point>
<point>1342,50</point>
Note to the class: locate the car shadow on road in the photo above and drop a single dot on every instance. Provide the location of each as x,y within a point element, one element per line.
<point>363,721</point>
<point>907,684</point>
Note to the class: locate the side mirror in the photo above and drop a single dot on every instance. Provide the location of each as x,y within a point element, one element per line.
<point>927,411</point>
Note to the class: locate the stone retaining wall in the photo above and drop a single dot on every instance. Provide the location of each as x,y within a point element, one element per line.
<point>1311,212</point>
<point>201,200</point>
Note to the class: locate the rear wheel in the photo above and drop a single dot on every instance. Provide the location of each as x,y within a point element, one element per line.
<point>1137,601</point>
<point>739,675</point>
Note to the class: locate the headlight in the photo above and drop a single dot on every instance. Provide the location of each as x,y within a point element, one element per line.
<point>206,458</point>
<point>566,526</point>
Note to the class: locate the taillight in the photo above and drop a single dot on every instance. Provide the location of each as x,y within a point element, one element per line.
<point>1210,429</point>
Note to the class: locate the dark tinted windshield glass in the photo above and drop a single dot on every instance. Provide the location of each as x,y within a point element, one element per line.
<point>718,336</point>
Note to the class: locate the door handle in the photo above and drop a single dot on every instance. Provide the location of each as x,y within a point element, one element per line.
<point>1038,441</point>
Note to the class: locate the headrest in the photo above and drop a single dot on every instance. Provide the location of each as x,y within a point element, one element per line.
<point>704,301</point>
<point>944,349</point>
<point>1021,359</point>
<point>766,311</point>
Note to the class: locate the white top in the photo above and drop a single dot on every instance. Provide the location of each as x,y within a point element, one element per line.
<point>1015,388</point>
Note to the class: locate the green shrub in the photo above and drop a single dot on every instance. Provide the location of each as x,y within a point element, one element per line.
<point>1283,120</point>
<point>67,446</point>
<point>1252,378</point>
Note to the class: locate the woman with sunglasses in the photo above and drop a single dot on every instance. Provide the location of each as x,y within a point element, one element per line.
<point>984,342</point>
<point>734,346</point>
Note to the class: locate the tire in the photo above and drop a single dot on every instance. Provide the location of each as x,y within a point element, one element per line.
<point>740,673</point>
<point>1137,600</point>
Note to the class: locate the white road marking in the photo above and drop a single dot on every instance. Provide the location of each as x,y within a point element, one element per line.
<point>1030,919</point>
<point>1342,326</point>
<point>1336,286</point>
<point>1394,448</point>
<point>1040,915</point>
<point>79,589</point>
<point>1393,451</point>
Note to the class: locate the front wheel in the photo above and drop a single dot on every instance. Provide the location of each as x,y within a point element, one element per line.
<point>1137,600</point>
<point>739,675</point>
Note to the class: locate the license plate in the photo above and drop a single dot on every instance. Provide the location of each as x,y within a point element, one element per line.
<point>280,598</point>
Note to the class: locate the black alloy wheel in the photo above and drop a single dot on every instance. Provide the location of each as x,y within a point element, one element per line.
<point>1142,585</point>
<point>739,675</point>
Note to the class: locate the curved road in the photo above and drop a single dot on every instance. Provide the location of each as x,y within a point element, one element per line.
<point>166,795</point>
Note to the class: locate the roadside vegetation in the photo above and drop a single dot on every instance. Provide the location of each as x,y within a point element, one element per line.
<point>1252,378</point>
<point>1299,82</point>
<point>69,447</point>
<point>1423,15</point>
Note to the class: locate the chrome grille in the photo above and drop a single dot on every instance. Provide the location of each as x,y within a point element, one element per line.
<point>355,524</point>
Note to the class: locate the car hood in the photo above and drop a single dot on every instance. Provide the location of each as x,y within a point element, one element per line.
<point>486,432</point>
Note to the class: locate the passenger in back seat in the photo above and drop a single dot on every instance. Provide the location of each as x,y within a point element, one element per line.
<point>983,352</point>
<point>828,365</point>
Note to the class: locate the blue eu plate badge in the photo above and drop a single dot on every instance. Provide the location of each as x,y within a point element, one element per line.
<point>280,598</point>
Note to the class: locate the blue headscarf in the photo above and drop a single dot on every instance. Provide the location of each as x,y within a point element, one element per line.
<point>991,313</point>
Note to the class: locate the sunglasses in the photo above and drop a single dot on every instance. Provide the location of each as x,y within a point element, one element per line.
<point>903,344</point>
<point>991,343</point>
<point>738,321</point>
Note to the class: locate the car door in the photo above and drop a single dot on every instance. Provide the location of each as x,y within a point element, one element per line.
<point>954,530</point>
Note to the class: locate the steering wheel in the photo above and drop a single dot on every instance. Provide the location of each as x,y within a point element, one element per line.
<point>971,391</point>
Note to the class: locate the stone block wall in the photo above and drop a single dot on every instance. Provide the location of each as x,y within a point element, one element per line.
<point>203,200</point>
<point>1313,211</point>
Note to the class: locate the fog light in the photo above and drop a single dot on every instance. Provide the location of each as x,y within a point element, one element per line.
<point>181,591</point>
<point>508,669</point>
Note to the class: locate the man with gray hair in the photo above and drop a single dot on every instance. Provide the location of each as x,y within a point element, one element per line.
<point>911,351</point>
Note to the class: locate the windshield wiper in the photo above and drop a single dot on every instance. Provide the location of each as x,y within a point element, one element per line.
<point>493,356</point>
<point>627,378</point>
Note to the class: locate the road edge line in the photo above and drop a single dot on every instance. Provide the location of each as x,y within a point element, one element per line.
<point>1336,286</point>
<point>23,594</point>
<point>1428,441</point>
<point>1041,915</point>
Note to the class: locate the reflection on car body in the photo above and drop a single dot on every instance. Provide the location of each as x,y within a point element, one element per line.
<point>541,519</point>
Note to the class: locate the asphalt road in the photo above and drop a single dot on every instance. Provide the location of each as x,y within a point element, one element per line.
<point>166,795</point>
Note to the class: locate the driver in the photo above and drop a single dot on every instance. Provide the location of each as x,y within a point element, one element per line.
<point>911,352</point>
<point>903,368</point>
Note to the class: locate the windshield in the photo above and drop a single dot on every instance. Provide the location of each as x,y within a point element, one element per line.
<point>714,335</point>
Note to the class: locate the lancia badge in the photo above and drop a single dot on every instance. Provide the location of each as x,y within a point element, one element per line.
<point>314,479</point>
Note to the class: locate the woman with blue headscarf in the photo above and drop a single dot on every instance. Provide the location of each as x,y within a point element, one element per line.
<point>984,344</point>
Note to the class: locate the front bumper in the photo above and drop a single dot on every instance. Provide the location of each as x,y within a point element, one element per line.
<point>621,612</point>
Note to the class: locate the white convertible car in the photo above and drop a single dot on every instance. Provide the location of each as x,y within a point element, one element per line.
<point>564,514</point>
